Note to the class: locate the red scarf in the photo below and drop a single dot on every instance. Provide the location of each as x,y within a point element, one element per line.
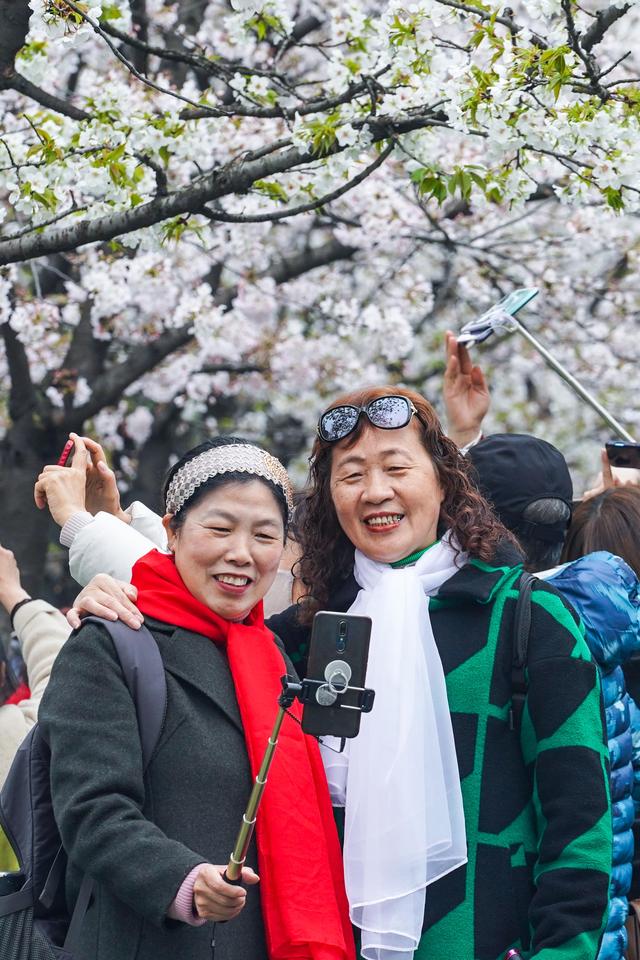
<point>19,694</point>
<point>304,904</point>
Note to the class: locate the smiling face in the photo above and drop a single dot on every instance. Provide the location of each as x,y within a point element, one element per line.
<point>228,549</point>
<point>386,493</point>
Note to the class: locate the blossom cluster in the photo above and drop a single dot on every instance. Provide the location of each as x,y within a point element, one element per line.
<point>513,161</point>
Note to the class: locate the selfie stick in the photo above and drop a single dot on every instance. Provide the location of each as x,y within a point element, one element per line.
<point>236,860</point>
<point>571,381</point>
<point>498,320</point>
<point>325,693</point>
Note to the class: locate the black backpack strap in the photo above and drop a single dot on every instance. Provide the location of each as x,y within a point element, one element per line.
<point>521,630</point>
<point>144,675</point>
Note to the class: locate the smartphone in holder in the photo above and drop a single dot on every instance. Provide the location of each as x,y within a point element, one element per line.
<point>496,318</point>
<point>67,454</point>
<point>338,656</point>
<point>623,454</point>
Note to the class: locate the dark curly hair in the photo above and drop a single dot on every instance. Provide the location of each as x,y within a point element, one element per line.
<point>327,553</point>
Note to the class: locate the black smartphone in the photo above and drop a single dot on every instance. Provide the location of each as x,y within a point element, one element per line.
<point>338,655</point>
<point>623,454</point>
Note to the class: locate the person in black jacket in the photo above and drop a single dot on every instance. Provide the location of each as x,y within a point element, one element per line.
<point>156,842</point>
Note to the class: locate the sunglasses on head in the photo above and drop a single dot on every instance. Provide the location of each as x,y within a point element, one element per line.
<point>386,413</point>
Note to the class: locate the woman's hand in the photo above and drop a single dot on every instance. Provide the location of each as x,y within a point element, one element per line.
<point>63,489</point>
<point>104,596</point>
<point>465,393</point>
<point>102,489</point>
<point>623,478</point>
<point>217,900</point>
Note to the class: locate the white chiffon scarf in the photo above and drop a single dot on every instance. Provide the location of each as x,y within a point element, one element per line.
<point>398,780</point>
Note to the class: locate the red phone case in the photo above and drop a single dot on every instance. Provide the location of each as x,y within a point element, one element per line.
<point>66,453</point>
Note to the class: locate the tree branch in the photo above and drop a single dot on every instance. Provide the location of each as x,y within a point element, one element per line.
<point>86,355</point>
<point>236,178</point>
<point>317,105</point>
<point>124,60</point>
<point>25,231</point>
<point>22,395</point>
<point>588,59</point>
<point>483,15</point>
<point>15,81</point>
<point>604,20</point>
<point>110,386</point>
<point>222,215</point>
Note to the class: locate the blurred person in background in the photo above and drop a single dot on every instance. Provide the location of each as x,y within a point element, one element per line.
<point>527,482</point>
<point>83,499</point>
<point>41,631</point>
<point>610,520</point>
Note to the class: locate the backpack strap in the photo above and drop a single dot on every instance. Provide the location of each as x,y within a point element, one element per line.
<point>143,671</point>
<point>144,675</point>
<point>521,630</point>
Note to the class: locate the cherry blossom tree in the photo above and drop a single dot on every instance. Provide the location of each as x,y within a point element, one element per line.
<point>215,217</point>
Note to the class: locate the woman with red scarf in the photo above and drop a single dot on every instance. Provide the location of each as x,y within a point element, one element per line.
<point>156,843</point>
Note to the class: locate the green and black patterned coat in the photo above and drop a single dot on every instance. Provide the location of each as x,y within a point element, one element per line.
<point>536,801</point>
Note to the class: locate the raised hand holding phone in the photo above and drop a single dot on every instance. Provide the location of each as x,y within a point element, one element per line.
<point>102,492</point>
<point>623,457</point>
<point>63,488</point>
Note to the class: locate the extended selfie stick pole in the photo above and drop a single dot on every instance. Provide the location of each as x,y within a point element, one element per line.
<point>323,692</point>
<point>335,684</point>
<point>239,855</point>
<point>571,381</point>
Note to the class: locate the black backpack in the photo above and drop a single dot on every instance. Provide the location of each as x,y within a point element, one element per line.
<point>34,921</point>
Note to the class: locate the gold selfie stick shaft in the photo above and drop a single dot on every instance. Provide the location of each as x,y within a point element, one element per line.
<point>239,855</point>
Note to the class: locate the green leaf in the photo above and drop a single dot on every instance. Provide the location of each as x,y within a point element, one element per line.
<point>111,12</point>
<point>614,198</point>
<point>271,189</point>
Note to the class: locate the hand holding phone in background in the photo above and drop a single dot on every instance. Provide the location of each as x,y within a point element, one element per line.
<point>63,488</point>
<point>620,467</point>
<point>102,488</point>
<point>81,480</point>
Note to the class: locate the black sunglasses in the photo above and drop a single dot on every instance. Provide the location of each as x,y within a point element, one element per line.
<point>387,413</point>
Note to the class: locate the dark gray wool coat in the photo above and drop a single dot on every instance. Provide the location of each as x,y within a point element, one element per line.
<point>139,837</point>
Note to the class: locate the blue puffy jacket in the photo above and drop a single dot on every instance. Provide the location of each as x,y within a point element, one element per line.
<point>605,592</point>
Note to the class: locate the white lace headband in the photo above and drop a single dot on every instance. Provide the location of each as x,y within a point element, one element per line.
<point>232,458</point>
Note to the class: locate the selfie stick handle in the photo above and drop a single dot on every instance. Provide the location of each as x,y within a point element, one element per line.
<point>571,381</point>
<point>239,855</point>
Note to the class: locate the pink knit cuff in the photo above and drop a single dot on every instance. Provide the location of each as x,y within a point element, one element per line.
<point>183,907</point>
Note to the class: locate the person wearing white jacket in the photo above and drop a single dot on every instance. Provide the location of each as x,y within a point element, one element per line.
<point>103,538</point>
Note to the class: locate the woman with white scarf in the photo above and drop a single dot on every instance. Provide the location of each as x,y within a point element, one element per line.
<point>464,838</point>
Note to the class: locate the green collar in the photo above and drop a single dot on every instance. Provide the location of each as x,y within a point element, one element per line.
<point>412,558</point>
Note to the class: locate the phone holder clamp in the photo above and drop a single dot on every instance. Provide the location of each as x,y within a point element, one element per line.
<point>325,693</point>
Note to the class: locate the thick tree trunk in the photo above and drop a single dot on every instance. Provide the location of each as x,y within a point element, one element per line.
<point>24,529</point>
